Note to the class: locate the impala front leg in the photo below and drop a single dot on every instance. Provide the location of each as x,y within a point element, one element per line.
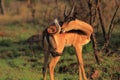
<point>82,74</point>
<point>52,65</point>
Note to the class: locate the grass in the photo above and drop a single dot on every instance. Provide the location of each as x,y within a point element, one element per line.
<point>18,69</point>
<point>18,32</point>
<point>19,62</point>
<point>30,68</point>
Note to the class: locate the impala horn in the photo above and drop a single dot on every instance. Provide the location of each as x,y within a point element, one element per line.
<point>70,14</point>
<point>57,25</point>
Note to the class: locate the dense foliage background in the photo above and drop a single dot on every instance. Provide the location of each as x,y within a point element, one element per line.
<point>21,54</point>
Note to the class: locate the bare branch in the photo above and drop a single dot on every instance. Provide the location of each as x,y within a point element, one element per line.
<point>101,20</point>
<point>111,23</point>
<point>111,27</point>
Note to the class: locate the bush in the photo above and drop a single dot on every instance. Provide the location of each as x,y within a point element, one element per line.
<point>88,48</point>
<point>6,42</point>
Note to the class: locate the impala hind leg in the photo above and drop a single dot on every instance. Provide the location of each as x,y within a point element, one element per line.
<point>82,75</point>
<point>45,66</point>
<point>53,62</point>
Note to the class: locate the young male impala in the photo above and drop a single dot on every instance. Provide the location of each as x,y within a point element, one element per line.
<point>73,33</point>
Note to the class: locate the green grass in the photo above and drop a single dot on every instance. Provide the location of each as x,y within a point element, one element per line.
<point>18,32</point>
<point>19,62</point>
<point>19,69</point>
<point>29,68</point>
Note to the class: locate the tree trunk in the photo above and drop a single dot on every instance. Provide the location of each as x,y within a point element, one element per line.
<point>92,20</point>
<point>2,9</point>
<point>31,6</point>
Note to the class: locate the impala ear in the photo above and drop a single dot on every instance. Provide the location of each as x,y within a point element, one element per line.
<point>52,30</point>
<point>57,25</point>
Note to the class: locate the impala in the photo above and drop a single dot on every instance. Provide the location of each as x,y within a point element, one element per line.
<point>56,37</point>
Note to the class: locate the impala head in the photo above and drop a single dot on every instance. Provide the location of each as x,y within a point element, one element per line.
<point>57,27</point>
<point>68,16</point>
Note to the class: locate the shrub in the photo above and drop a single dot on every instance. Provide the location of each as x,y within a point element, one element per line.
<point>6,42</point>
<point>88,48</point>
